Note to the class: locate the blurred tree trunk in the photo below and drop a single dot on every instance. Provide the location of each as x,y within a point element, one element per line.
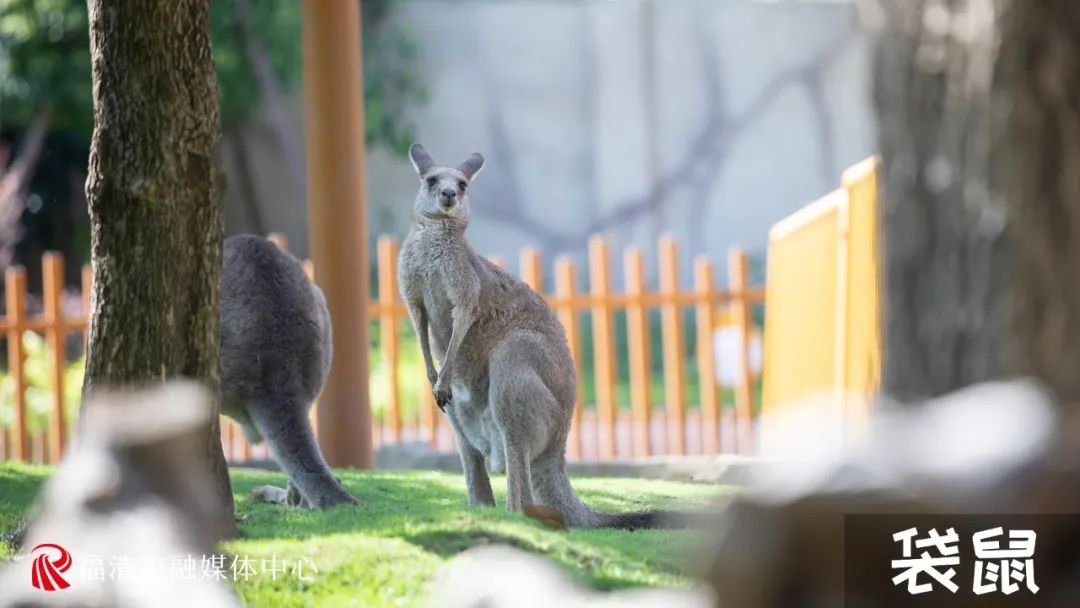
<point>245,181</point>
<point>15,180</point>
<point>155,199</point>
<point>272,98</point>
<point>979,108</point>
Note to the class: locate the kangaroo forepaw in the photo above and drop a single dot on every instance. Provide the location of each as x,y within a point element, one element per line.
<point>443,397</point>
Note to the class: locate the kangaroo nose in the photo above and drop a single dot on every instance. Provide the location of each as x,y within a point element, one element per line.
<point>449,193</point>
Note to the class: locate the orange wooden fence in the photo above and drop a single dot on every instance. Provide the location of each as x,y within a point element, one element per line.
<point>603,431</point>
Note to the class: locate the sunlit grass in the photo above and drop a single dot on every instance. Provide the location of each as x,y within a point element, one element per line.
<point>383,553</point>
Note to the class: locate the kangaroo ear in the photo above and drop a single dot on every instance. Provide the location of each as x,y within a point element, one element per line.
<point>472,165</point>
<point>421,160</point>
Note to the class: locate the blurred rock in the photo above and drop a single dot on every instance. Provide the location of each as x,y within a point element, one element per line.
<point>502,577</point>
<point>130,506</point>
<point>995,448</point>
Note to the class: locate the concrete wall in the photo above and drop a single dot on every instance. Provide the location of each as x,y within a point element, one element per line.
<point>710,119</point>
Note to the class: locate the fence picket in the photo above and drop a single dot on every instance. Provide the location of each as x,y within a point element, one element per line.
<point>703,316</point>
<point>674,354</point>
<point>388,332</point>
<point>15,292</point>
<point>637,338</point>
<point>427,424</point>
<point>603,345</point>
<point>568,315</point>
<point>278,239</point>
<point>738,275</point>
<point>52,278</point>
<point>86,279</point>
<point>531,269</point>
<point>428,413</point>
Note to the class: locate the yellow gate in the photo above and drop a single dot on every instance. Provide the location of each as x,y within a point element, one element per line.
<point>821,330</point>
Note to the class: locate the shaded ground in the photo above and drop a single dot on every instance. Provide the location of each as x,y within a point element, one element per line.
<point>383,553</point>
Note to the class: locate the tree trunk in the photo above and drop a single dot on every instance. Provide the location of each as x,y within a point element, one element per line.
<point>154,193</point>
<point>979,108</point>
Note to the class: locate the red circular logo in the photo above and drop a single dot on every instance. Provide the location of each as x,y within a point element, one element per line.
<point>46,573</point>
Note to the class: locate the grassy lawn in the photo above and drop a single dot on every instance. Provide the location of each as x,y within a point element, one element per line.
<point>382,554</point>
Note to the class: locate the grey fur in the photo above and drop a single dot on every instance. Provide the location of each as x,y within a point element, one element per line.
<point>275,356</point>
<point>507,377</point>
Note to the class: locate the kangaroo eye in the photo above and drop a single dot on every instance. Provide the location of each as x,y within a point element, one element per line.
<point>463,186</point>
<point>431,181</point>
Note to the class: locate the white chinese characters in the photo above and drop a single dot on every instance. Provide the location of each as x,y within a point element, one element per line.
<point>947,554</point>
<point>1001,569</point>
<point>933,558</point>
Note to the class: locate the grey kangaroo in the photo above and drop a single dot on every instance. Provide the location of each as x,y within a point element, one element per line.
<point>506,375</point>
<point>275,355</point>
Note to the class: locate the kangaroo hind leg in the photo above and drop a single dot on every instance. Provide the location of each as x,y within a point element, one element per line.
<point>284,424</point>
<point>524,409</point>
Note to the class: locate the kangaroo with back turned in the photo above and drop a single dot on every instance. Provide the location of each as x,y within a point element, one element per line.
<point>275,355</point>
<point>506,373</point>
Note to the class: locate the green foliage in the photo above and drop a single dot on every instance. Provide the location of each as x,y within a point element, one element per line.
<point>412,522</point>
<point>276,28</point>
<point>392,78</point>
<point>39,390</point>
<point>45,62</point>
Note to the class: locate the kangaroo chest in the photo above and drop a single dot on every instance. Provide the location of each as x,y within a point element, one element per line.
<point>430,270</point>
<point>427,271</point>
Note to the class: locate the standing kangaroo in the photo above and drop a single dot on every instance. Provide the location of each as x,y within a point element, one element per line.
<point>506,374</point>
<point>275,355</point>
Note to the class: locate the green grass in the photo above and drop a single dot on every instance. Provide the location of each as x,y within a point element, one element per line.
<point>383,553</point>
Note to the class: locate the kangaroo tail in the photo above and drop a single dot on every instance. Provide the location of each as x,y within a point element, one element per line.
<point>564,508</point>
<point>292,443</point>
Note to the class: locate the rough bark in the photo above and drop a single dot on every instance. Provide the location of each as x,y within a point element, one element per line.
<point>154,193</point>
<point>979,108</point>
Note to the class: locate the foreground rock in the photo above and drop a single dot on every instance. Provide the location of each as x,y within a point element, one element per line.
<point>128,519</point>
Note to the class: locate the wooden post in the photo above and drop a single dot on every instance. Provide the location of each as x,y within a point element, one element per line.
<point>568,315</point>
<point>334,121</point>
<point>603,344</point>
<point>52,283</point>
<point>388,332</point>
<point>738,273</point>
<point>703,284</point>
<point>15,287</point>
<point>637,338</point>
<point>674,353</point>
